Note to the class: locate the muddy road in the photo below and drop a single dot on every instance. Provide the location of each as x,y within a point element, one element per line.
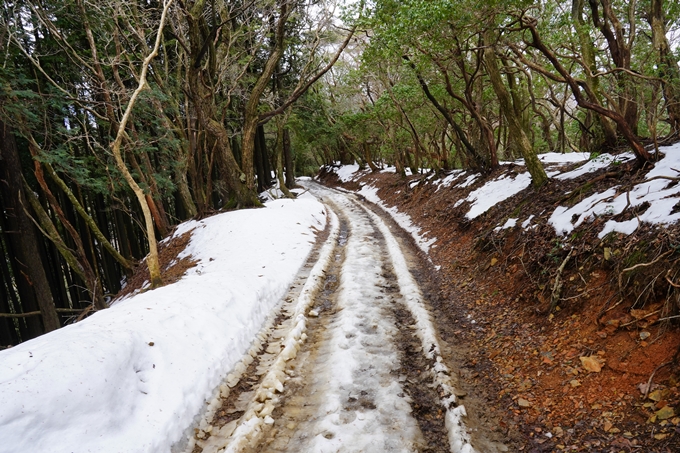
<point>350,362</point>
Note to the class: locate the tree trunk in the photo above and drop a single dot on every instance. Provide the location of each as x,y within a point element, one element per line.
<point>517,133</point>
<point>31,265</point>
<point>280,157</point>
<point>667,66</point>
<point>620,50</point>
<point>251,116</point>
<point>88,219</point>
<point>288,158</point>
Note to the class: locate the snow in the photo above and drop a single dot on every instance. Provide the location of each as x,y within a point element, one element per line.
<point>563,158</point>
<point>273,381</point>
<point>599,162</point>
<point>360,340</point>
<point>347,173</point>
<point>600,203</point>
<point>133,377</point>
<point>446,182</point>
<point>661,195</point>
<point>403,220</point>
<point>510,223</point>
<point>495,191</point>
<point>468,181</point>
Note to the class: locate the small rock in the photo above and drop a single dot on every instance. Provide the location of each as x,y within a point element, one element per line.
<point>644,335</point>
<point>575,383</point>
<point>591,364</point>
<point>523,403</point>
<point>313,313</point>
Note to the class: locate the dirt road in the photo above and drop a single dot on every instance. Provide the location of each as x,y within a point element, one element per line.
<point>351,361</point>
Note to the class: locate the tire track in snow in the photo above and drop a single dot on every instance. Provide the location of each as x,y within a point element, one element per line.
<point>346,391</point>
<point>365,407</point>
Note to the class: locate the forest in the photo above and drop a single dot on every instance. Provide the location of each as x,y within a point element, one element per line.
<point>120,120</point>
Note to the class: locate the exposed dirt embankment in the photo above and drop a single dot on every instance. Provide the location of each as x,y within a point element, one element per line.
<point>563,332</point>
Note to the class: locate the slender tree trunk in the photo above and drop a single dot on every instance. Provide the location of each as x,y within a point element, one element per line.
<point>88,219</point>
<point>517,133</point>
<point>288,157</point>
<point>280,156</point>
<point>152,260</point>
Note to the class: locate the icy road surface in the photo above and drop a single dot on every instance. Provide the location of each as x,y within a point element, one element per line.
<point>335,369</point>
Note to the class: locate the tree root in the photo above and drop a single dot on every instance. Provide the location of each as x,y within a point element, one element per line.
<point>557,287</point>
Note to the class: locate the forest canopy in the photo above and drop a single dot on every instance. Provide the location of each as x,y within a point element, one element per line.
<point>121,119</point>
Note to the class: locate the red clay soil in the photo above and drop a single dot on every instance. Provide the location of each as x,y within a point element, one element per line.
<point>574,379</point>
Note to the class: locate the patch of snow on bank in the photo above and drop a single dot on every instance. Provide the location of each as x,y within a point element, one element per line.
<point>566,158</point>
<point>495,191</point>
<point>133,377</point>
<point>661,195</point>
<point>347,173</point>
<point>600,203</point>
<point>468,181</point>
<point>448,180</point>
<point>510,223</point>
<point>601,161</point>
<point>404,220</point>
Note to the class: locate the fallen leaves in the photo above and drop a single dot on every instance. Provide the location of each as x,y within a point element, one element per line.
<point>664,413</point>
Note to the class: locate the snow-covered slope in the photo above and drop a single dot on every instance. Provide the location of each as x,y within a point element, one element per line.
<point>133,377</point>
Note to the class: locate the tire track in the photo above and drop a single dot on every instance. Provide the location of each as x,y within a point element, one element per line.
<point>366,378</point>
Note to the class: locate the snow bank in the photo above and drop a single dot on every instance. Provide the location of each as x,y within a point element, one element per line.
<point>495,191</point>
<point>661,193</point>
<point>599,162</point>
<point>133,377</point>
<point>563,158</point>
